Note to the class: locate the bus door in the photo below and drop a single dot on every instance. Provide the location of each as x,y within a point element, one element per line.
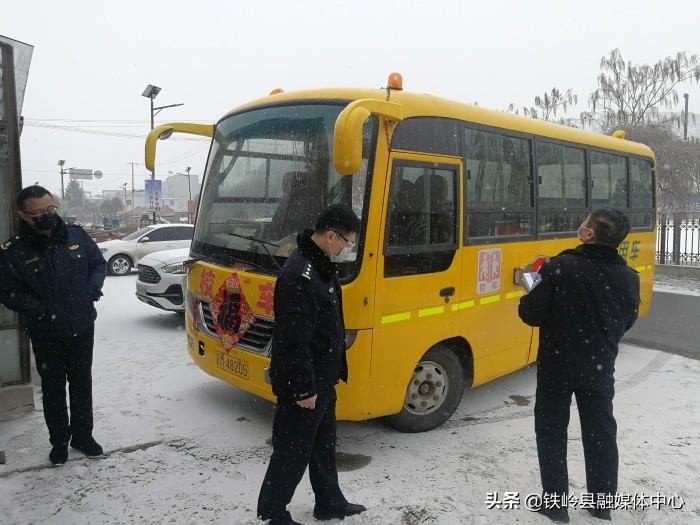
<point>419,269</point>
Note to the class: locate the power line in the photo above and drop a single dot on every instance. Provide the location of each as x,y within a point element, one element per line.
<point>133,121</point>
<point>166,162</point>
<point>186,155</point>
<point>74,129</point>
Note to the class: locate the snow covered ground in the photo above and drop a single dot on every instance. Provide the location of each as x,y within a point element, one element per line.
<point>187,448</point>
<point>679,285</point>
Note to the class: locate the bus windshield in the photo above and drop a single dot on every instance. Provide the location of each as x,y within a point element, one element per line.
<point>270,173</point>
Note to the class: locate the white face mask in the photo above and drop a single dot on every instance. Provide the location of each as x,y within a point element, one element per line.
<point>583,230</point>
<point>346,253</point>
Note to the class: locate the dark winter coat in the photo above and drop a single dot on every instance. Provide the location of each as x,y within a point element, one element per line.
<point>587,299</point>
<point>308,343</point>
<point>52,281</point>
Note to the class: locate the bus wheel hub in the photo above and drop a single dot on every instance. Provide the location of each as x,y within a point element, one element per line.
<point>427,388</point>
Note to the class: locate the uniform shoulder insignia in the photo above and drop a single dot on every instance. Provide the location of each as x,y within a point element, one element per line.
<point>307,272</point>
<point>6,245</point>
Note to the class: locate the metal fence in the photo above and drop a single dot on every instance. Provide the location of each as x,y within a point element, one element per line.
<point>678,239</point>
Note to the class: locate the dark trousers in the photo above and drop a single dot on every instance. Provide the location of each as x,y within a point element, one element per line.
<point>301,437</point>
<point>58,360</point>
<point>598,434</point>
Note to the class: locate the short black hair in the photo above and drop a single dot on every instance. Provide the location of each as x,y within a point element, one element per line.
<point>30,192</point>
<point>338,217</point>
<point>611,226</point>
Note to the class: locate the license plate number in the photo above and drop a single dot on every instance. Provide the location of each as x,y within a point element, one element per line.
<point>234,365</point>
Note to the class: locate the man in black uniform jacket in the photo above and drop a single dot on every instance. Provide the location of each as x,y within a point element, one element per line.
<point>585,302</point>
<point>51,274</point>
<point>308,359</point>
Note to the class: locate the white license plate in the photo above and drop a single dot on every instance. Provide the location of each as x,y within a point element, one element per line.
<point>140,289</point>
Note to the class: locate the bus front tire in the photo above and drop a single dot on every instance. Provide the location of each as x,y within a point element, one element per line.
<point>433,393</point>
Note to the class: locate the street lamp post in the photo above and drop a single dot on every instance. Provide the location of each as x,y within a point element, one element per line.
<point>151,92</point>
<point>63,191</point>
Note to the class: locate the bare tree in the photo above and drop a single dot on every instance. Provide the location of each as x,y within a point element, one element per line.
<point>547,106</point>
<point>111,207</point>
<point>632,95</point>
<point>677,161</point>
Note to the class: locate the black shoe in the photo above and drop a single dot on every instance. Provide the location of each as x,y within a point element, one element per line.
<point>601,514</point>
<point>284,521</point>
<point>87,446</point>
<point>350,509</point>
<point>59,454</point>
<point>557,515</point>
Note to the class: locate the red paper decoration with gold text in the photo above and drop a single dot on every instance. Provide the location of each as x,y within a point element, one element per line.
<point>231,312</point>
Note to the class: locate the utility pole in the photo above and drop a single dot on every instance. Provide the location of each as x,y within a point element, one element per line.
<point>685,120</point>
<point>133,191</point>
<point>189,202</point>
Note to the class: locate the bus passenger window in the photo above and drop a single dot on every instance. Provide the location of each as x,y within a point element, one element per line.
<point>561,174</point>
<point>498,185</point>
<point>641,214</point>
<point>608,180</point>
<point>421,230</point>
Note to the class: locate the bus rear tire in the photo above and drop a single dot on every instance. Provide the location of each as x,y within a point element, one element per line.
<point>433,393</point>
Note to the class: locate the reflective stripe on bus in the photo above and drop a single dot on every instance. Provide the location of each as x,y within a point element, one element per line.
<point>395,318</point>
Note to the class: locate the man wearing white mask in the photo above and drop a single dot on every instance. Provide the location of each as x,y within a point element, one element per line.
<point>308,359</point>
<point>583,301</point>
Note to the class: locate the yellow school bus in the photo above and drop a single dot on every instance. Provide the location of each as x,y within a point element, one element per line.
<point>453,200</point>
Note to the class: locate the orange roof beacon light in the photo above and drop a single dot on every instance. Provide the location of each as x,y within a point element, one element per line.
<point>395,81</point>
<point>276,91</point>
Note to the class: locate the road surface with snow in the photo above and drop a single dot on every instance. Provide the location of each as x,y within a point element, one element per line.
<point>187,448</point>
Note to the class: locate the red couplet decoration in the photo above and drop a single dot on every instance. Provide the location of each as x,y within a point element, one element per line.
<point>231,312</point>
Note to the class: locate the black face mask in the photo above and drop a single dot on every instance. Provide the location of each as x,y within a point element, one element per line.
<point>46,222</point>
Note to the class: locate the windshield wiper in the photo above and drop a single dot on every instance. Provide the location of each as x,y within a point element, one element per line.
<point>210,258</point>
<point>262,243</point>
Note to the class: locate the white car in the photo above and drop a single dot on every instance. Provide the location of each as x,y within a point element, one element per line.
<point>123,254</point>
<point>161,281</point>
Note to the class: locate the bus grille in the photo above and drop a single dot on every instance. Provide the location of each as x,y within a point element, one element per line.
<point>256,339</point>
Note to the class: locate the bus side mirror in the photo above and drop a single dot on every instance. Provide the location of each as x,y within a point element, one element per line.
<point>166,130</point>
<point>347,136</point>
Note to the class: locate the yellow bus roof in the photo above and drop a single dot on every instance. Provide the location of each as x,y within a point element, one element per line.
<point>420,104</point>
